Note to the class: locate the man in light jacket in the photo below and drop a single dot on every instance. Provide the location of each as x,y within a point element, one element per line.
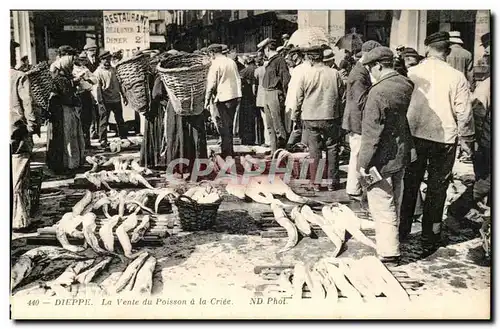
<point>319,96</point>
<point>224,88</point>
<point>439,116</point>
<point>386,144</point>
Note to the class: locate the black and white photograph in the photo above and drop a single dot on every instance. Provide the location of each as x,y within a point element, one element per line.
<point>250,164</point>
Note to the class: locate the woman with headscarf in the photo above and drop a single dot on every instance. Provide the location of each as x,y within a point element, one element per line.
<point>65,141</point>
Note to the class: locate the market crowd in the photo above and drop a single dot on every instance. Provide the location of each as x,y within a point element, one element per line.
<point>400,116</point>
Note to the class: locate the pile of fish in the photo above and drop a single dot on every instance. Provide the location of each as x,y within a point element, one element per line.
<point>334,220</point>
<point>80,223</point>
<point>126,170</point>
<point>363,279</point>
<point>204,193</point>
<point>76,280</point>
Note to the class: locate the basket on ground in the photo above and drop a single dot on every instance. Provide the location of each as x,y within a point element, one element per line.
<point>184,77</point>
<point>196,216</point>
<point>40,84</point>
<point>133,75</point>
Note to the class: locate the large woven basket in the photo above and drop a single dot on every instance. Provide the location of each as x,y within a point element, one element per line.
<point>133,75</point>
<point>184,77</point>
<point>196,216</point>
<point>40,84</point>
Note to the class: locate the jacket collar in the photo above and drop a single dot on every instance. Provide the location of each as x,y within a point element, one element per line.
<point>385,77</point>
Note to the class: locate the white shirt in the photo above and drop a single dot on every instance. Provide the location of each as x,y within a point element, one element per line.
<point>440,108</point>
<point>291,96</point>
<point>223,79</point>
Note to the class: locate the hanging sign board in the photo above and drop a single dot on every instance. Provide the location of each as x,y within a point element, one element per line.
<point>128,31</point>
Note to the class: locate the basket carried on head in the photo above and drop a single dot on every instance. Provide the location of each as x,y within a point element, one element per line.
<point>184,77</point>
<point>40,84</point>
<point>196,216</point>
<point>133,76</point>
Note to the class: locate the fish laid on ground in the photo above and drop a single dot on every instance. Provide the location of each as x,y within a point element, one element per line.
<point>282,219</point>
<point>344,217</point>
<point>331,290</point>
<point>69,275</point>
<point>80,206</point>
<point>341,282</point>
<point>393,287</point>
<point>27,261</point>
<point>299,279</point>
<point>300,221</point>
<point>144,280</point>
<point>130,273</point>
<point>89,227</point>
<point>238,190</point>
<point>278,187</point>
<point>311,217</point>
<point>171,193</point>
<point>88,275</point>
<point>122,234</point>
<point>140,229</point>
<point>106,232</point>
<point>136,178</point>
<point>313,281</point>
<point>62,227</point>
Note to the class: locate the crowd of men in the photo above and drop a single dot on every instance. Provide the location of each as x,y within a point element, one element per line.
<point>404,116</point>
<point>401,115</point>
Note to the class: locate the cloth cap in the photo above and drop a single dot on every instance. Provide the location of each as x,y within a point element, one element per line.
<point>369,45</point>
<point>285,36</point>
<point>328,55</point>
<point>379,54</point>
<point>455,37</point>
<point>410,52</point>
<point>294,50</point>
<point>437,37</point>
<point>266,42</point>
<point>66,50</point>
<point>485,39</point>
<point>314,50</point>
<point>215,47</point>
<point>105,54</point>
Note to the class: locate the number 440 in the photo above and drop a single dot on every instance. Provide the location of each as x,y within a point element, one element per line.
<point>33,302</point>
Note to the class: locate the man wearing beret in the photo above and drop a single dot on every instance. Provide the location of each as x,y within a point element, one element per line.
<point>224,89</point>
<point>386,144</point>
<point>109,98</point>
<point>275,85</point>
<point>319,97</point>
<point>439,115</point>
<point>358,83</point>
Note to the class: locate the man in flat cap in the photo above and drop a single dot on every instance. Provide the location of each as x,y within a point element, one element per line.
<point>109,98</point>
<point>358,83</point>
<point>411,57</point>
<point>298,63</point>
<point>439,116</point>
<point>386,145</point>
<point>24,123</point>
<point>275,85</point>
<point>319,97</point>
<point>224,90</point>
<point>460,58</point>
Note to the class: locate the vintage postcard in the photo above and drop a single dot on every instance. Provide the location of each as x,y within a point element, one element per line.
<point>210,164</point>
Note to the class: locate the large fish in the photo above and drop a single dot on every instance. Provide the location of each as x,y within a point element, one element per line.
<point>65,225</point>
<point>106,232</point>
<point>27,261</point>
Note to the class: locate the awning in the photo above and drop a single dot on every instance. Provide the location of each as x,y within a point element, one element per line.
<point>157,39</point>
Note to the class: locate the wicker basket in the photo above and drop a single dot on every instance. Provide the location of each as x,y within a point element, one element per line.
<point>133,76</point>
<point>196,216</point>
<point>40,84</point>
<point>184,77</point>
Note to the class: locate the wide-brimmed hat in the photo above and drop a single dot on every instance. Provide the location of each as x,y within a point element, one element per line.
<point>328,55</point>
<point>105,54</point>
<point>455,37</point>
<point>215,48</point>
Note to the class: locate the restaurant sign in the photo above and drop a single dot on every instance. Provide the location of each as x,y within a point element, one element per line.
<point>126,30</point>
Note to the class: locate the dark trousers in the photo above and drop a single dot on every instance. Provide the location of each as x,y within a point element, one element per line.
<point>259,126</point>
<point>298,135</point>
<point>225,125</point>
<point>274,110</point>
<point>438,160</point>
<point>480,189</point>
<point>104,112</point>
<point>323,134</point>
<point>86,114</point>
<point>94,126</point>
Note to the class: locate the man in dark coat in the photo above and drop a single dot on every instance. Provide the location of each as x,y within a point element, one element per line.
<point>386,144</point>
<point>358,83</point>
